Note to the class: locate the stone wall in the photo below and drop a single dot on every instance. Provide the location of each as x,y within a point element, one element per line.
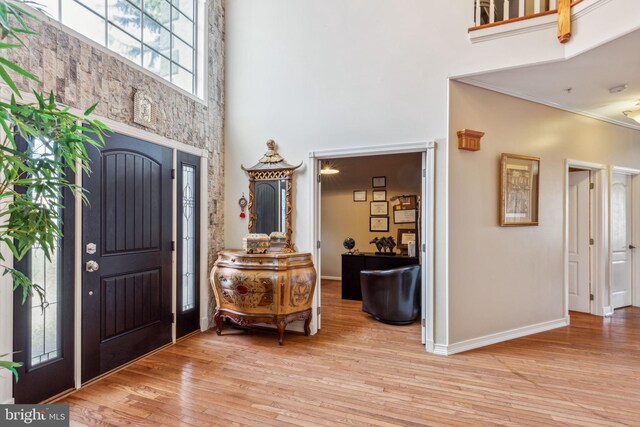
<point>82,75</point>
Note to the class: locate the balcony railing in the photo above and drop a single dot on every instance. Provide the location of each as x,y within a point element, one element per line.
<point>489,13</point>
<point>498,11</point>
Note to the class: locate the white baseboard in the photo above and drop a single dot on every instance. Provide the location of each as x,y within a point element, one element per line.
<point>459,347</point>
<point>331,278</point>
<point>204,323</point>
<point>608,310</point>
<point>430,346</point>
<point>9,401</point>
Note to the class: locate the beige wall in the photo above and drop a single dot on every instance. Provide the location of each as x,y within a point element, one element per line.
<point>505,278</point>
<point>342,217</point>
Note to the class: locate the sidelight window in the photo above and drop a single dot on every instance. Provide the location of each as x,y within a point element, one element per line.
<point>188,238</point>
<point>45,314</point>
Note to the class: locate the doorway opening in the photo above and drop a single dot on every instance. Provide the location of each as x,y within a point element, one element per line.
<point>601,229</point>
<point>580,205</point>
<point>624,228</point>
<point>379,193</point>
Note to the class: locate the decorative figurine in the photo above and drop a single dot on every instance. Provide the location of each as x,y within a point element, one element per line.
<point>385,245</point>
<point>349,244</point>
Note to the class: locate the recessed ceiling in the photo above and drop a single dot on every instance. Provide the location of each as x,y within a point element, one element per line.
<point>589,76</point>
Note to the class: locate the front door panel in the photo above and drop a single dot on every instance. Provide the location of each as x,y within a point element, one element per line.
<point>127,301</point>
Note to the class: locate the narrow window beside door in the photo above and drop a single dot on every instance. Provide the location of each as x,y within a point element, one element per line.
<point>188,238</point>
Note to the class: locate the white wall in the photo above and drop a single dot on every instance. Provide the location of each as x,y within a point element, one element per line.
<point>506,278</point>
<point>342,217</point>
<point>320,74</point>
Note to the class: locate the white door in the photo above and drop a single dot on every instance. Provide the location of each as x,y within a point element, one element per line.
<point>579,234</point>
<point>621,254</point>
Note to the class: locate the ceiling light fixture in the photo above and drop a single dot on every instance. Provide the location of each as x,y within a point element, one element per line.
<point>618,89</point>
<point>328,169</point>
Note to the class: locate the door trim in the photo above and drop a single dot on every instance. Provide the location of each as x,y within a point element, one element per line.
<point>134,132</point>
<point>427,232</point>
<point>6,304</point>
<point>634,174</point>
<point>600,271</point>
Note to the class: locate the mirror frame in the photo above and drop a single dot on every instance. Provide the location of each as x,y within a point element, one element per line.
<point>272,167</point>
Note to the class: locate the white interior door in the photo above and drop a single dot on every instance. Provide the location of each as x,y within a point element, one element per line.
<point>621,252</point>
<point>579,234</point>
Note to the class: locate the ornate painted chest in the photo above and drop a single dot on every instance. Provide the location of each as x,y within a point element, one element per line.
<point>275,288</point>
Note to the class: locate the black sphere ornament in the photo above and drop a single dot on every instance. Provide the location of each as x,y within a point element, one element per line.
<point>349,244</point>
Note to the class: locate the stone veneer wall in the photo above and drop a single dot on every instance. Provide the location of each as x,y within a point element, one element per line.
<point>82,75</point>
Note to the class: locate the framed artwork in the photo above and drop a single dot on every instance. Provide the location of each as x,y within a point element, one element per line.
<point>379,195</point>
<point>519,188</point>
<point>407,202</point>
<point>360,196</point>
<point>379,181</point>
<point>379,209</point>
<point>404,216</point>
<point>406,235</point>
<point>379,223</point>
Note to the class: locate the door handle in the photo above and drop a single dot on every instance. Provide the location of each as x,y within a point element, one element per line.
<point>631,247</point>
<point>92,266</point>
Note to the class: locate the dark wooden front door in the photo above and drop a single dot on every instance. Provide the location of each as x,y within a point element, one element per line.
<point>126,303</point>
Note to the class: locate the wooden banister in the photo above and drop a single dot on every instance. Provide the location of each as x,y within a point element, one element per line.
<point>564,20</point>
<point>563,10</point>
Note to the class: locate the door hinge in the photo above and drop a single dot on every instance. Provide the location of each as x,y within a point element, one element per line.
<point>173,245</point>
<point>591,241</point>
<point>424,247</point>
<point>173,318</point>
<point>173,174</point>
<point>318,177</point>
<point>591,297</point>
<point>424,173</point>
<point>319,311</point>
<point>318,244</point>
<point>591,186</point>
<point>424,322</point>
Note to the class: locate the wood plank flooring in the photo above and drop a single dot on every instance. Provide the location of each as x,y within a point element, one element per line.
<point>361,372</point>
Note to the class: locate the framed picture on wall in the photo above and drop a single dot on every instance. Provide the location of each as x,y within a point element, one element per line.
<point>379,223</point>
<point>379,209</point>
<point>519,184</point>
<point>360,196</point>
<point>404,216</point>
<point>379,181</point>
<point>379,195</point>
<point>405,235</point>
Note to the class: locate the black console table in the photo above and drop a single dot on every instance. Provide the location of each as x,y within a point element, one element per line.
<point>353,264</point>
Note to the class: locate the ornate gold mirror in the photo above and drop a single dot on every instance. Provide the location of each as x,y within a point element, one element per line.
<point>270,194</point>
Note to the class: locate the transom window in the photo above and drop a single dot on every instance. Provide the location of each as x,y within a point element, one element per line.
<point>159,35</point>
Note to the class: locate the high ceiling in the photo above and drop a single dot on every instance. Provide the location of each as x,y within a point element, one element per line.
<point>581,84</point>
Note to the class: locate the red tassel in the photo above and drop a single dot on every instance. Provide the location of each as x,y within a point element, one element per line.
<point>242,215</point>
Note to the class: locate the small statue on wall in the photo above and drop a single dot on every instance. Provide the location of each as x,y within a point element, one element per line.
<point>385,245</point>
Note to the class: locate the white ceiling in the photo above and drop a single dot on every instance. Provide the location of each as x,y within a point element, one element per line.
<point>589,76</point>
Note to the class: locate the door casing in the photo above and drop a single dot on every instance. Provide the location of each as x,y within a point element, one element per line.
<point>427,224</point>
<point>600,271</point>
<point>128,130</point>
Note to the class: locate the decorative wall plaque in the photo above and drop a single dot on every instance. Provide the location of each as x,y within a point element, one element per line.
<point>144,109</point>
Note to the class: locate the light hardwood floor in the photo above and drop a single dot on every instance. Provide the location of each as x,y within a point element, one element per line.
<point>361,372</point>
